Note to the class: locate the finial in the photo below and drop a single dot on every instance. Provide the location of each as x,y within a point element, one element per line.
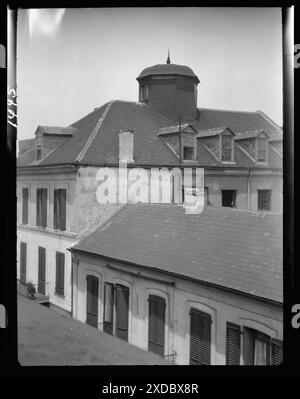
<point>168,59</point>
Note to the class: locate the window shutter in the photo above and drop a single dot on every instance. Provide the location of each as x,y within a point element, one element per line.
<point>38,207</point>
<point>25,205</point>
<point>92,301</point>
<point>55,210</point>
<point>63,198</point>
<point>200,337</point>
<point>23,260</point>
<point>276,352</point>
<point>44,207</point>
<point>122,308</point>
<point>233,344</point>
<point>156,330</point>
<point>41,270</point>
<point>60,273</point>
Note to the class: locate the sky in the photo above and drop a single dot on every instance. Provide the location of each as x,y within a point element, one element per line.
<point>74,60</point>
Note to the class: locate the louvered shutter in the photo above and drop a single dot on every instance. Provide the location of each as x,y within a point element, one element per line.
<point>42,270</point>
<point>276,352</point>
<point>233,344</point>
<point>62,207</point>
<point>56,206</point>
<point>122,309</point>
<point>38,207</point>
<point>23,260</point>
<point>44,207</point>
<point>25,205</point>
<point>200,337</point>
<point>60,273</point>
<point>156,329</point>
<point>92,301</point>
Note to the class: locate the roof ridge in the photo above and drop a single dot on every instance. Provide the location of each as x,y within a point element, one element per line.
<point>265,116</point>
<point>94,133</point>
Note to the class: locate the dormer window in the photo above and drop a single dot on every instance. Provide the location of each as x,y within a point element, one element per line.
<point>226,148</point>
<point>261,149</point>
<point>38,152</point>
<point>144,93</point>
<point>188,153</point>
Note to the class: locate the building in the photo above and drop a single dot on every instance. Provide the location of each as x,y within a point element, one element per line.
<point>195,289</point>
<point>56,171</point>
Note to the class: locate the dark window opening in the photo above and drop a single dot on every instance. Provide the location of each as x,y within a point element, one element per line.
<point>108,312</point>
<point>188,153</point>
<point>233,344</point>
<point>144,93</point>
<point>92,285</point>
<point>60,274</point>
<point>38,152</point>
<point>41,270</point>
<point>23,261</point>
<point>60,196</point>
<point>41,207</point>
<point>264,200</point>
<point>25,195</point>
<point>229,198</point>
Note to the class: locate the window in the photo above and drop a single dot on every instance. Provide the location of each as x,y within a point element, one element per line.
<point>38,152</point>
<point>92,287</point>
<point>41,270</point>
<point>23,261</point>
<point>260,349</point>
<point>156,325</point>
<point>226,153</point>
<point>117,295</point>
<point>108,313</point>
<point>200,337</point>
<point>144,92</point>
<point>188,153</point>
<point>25,205</point>
<point>59,222</point>
<point>261,149</point>
<point>264,200</point>
<point>60,274</point>
<point>41,207</point>
<point>229,198</point>
<point>233,344</point>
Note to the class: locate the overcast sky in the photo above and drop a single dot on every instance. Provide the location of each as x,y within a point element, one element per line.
<point>74,61</point>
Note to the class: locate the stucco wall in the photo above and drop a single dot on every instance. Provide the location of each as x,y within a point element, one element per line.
<point>221,305</point>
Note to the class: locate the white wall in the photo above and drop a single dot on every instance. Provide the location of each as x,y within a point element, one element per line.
<point>221,305</point>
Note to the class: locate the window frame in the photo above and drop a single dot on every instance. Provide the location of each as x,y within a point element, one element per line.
<point>38,152</point>
<point>259,138</point>
<point>41,216</point>
<point>221,148</point>
<point>60,281</point>
<point>25,220</point>
<point>59,211</point>
<point>268,200</point>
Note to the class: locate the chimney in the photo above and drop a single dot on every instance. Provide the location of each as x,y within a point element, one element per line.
<point>126,146</point>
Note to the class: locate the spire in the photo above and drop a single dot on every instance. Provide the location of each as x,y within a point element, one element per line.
<point>168,59</point>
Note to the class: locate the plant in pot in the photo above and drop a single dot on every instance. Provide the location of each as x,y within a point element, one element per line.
<point>31,290</point>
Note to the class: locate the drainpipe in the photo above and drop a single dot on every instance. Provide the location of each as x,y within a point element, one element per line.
<point>249,190</point>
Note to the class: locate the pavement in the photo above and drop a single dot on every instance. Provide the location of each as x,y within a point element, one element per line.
<point>46,337</point>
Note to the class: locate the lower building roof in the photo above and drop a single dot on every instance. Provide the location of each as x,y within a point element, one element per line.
<point>233,249</point>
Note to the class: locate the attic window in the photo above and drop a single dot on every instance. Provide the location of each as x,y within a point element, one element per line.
<point>188,153</point>
<point>144,93</point>
<point>261,149</point>
<point>227,148</point>
<point>38,152</point>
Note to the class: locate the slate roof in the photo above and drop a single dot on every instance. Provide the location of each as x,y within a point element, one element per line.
<point>172,129</point>
<point>211,132</point>
<point>230,248</point>
<point>95,140</point>
<point>167,69</point>
<point>249,135</point>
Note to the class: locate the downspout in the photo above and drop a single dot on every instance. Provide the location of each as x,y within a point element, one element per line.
<point>249,190</point>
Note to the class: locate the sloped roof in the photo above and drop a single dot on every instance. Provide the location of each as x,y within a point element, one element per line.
<point>230,248</point>
<point>174,129</point>
<point>167,69</point>
<point>211,132</point>
<point>95,140</point>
